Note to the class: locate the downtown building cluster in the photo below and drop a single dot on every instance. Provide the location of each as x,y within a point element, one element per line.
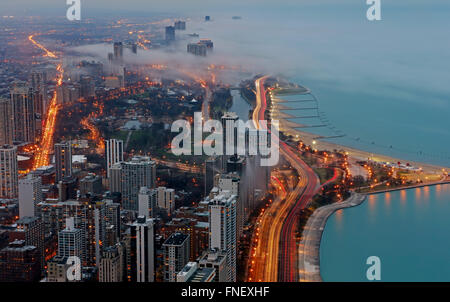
<point>114,224</point>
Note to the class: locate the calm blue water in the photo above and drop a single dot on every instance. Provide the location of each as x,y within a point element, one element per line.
<point>408,230</point>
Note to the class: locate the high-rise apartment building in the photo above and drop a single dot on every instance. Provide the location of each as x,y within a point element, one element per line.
<point>114,153</point>
<point>24,126</point>
<point>70,240</point>
<point>30,194</point>
<point>137,173</point>
<point>19,262</point>
<point>6,122</point>
<point>9,182</point>
<point>141,251</point>
<point>147,202</point>
<point>166,199</point>
<point>112,264</point>
<point>170,34</point>
<point>222,227</point>
<point>31,229</point>
<point>63,160</point>
<point>176,255</point>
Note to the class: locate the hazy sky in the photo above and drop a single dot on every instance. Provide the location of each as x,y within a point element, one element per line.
<point>118,7</point>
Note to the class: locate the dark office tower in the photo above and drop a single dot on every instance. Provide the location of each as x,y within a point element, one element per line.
<point>30,229</point>
<point>207,18</point>
<point>170,34</point>
<point>212,167</point>
<point>110,57</point>
<point>208,43</point>
<point>87,87</point>
<point>176,255</point>
<point>39,86</point>
<point>9,182</point>
<point>112,216</point>
<point>180,25</point>
<point>91,185</point>
<point>141,251</point>
<point>118,51</point>
<point>6,122</point>
<point>19,262</point>
<point>230,137</point>
<point>24,126</point>
<point>67,188</point>
<point>63,161</point>
<point>197,49</point>
<point>134,48</point>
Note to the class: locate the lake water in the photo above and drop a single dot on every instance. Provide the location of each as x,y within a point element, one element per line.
<point>408,230</point>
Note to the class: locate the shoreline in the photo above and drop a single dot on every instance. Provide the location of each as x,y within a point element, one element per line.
<point>309,247</point>
<point>291,128</point>
<point>422,185</point>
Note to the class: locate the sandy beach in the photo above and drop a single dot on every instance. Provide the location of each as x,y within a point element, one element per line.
<point>291,128</point>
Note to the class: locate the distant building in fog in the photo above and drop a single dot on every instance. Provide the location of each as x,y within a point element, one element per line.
<point>180,25</point>
<point>170,34</point>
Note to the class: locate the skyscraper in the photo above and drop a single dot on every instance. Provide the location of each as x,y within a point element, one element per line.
<point>170,34</point>
<point>63,160</point>
<point>115,178</point>
<point>112,264</point>
<point>212,167</point>
<point>30,194</point>
<point>91,185</point>
<point>118,51</point>
<point>38,84</point>
<point>137,173</point>
<point>8,172</point>
<point>24,127</point>
<point>30,229</point>
<point>87,87</point>
<point>114,153</point>
<point>6,122</point>
<point>232,182</point>
<point>180,25</point>
<point>176,255</point>
<point>69,240</point>
<point>147,202</point>
<point>197,49</point>
<point>166,199</point>
<point>230,137</point>
<point>141,251</point>
<point>112,216</point>
<point>19,262</point>
<point>222,227</point>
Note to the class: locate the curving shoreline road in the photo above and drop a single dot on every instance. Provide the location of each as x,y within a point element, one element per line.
<point>309,248</point>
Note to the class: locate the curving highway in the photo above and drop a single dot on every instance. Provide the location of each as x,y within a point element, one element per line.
<point>280,257</point>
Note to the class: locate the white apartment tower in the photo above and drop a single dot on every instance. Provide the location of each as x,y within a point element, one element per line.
<point>30,194</point>
<point>114,153</point>
<point>8,172</point>
<point>222,228</point>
